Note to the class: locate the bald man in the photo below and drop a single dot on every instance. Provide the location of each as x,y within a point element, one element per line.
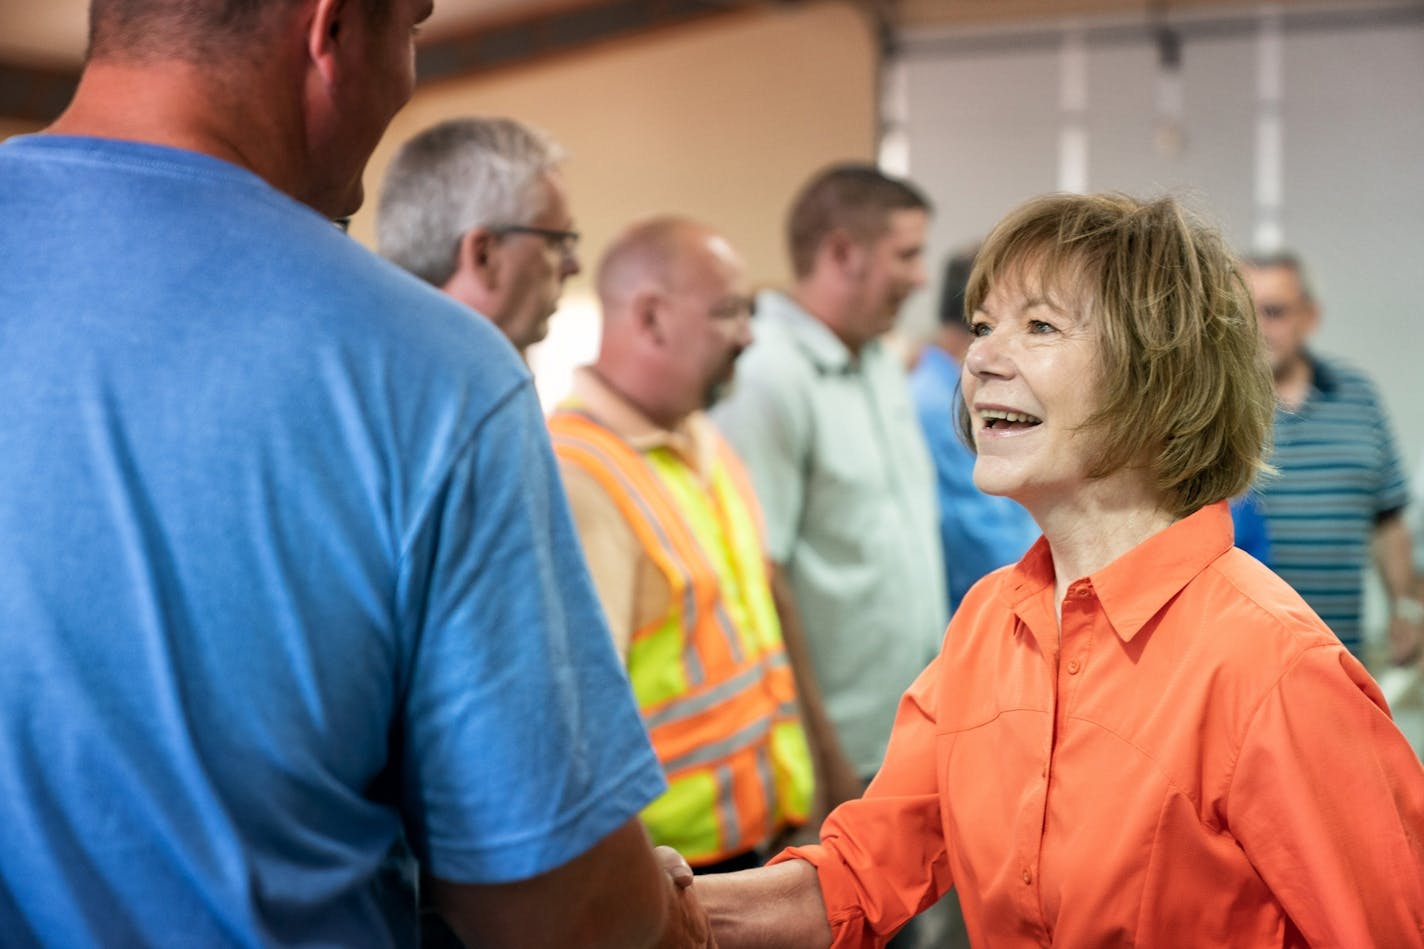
<point>673,535</point>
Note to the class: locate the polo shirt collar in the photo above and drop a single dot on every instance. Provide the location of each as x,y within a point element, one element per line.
<point>817,342</point>
<point>691,440</point>
<point>1136,586</point>
<point>1322,377</point>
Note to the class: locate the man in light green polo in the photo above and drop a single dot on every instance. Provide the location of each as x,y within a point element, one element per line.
<point>822,415</point>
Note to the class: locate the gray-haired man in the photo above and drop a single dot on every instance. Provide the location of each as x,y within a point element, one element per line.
<point>477,207</point>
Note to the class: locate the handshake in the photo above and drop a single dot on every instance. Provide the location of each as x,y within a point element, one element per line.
<point>687,925</point>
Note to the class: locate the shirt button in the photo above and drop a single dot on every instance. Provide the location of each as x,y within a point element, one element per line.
<point>1082,592</point>
<point>1027,877</point>
<point>1073,667</point>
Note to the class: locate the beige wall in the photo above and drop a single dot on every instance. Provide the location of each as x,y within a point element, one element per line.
<point>720,119</point>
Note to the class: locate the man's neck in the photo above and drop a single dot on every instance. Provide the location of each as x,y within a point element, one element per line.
<point>829,311</point>
<point>1293,382</point>
<point>615,381</point>
<point>187,106</point>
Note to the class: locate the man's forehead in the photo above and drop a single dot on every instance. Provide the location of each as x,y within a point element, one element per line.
<point>552,198</point>
<point>902,228</point>
<point>1271,278</point>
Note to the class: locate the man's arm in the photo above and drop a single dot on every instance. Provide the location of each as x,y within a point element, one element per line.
<point>1394,557</point>
<point>836,779</point>
<point>615,895</point>
<point>777,907</point>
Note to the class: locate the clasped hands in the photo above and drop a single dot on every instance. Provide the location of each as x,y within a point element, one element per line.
<point>689,927</point>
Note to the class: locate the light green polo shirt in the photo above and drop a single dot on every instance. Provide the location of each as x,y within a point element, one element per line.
<point>846,482</point>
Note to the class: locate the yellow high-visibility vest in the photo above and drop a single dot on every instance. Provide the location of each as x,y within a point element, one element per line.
<point>711,675</point>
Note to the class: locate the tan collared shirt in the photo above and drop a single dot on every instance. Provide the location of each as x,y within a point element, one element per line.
<point>633,590</point>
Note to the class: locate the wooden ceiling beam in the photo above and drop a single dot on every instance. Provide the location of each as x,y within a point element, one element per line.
<point>541,35</point>
<point>39,94</point>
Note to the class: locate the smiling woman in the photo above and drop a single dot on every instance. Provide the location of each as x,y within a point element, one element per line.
<point>1151,306</point>
<point>1137,734</point>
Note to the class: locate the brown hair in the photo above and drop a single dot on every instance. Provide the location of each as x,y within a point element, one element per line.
<point>1185,383</point>
<point>855,197</point>
<point>191,30</point>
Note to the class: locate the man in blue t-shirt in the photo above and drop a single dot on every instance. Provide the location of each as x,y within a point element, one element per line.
<point>289,586</point>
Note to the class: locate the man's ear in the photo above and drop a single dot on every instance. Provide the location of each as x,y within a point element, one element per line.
<point>843,250</point>
<point>478,256</point>
<point>328,38</point>
<point>646,311</point>
<point>477,275</point>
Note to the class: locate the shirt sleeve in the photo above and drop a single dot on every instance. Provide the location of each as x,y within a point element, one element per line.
<point>882,858</point>
<point>612,551</point>
<point>1327,801</point>
<point>1391,486</point>
<point>521,743</point>
<point>767,421</point>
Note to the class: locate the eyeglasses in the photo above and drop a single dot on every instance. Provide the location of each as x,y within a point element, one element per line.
<point>1274,311</point>
<point>565,242</point>
<point>734,308</point>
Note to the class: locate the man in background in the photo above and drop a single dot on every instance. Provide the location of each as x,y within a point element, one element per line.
<point>289,575</point>
<point>1341,491</point>
<point>478,208</point>
<point>673,538</point>
<point>978,532</point>
<point>822,415</point>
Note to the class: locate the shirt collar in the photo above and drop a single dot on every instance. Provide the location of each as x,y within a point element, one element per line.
<point>817,342</point>
<point>1134,587</point>
<point>1322,377</point>
<point>691,440</point>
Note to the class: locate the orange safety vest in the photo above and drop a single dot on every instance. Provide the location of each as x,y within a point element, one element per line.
<point>710,675</point>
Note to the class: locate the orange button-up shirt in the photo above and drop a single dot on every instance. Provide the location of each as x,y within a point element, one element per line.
<point>1195,762</point>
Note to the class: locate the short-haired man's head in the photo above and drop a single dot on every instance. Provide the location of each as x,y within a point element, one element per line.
<point>193,31</point>
<point>856,198</point>
<point>1285,305</point>
<point>460,174</point>
<point>951,292</point>
<point>1285,260</point>
<point>1185,390</point>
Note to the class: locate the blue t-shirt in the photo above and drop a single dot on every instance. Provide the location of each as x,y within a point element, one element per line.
<point>287,572</point>
<point>1248,518</point>
<point>979,532</point>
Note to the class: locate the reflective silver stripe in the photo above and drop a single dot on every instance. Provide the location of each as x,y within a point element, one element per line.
<point>729,632</point>
<point>727,811</point>
<point>788,710</point>
<point>719,517</point>
<point>708,754</point>
<point>696,675</point>
<point>691,705</point>
<point>768,787</point>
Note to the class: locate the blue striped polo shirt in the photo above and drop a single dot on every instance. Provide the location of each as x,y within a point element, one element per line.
<point>1340,474</point>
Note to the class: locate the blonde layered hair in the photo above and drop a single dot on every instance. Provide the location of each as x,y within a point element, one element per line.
<point>1185,389</point>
